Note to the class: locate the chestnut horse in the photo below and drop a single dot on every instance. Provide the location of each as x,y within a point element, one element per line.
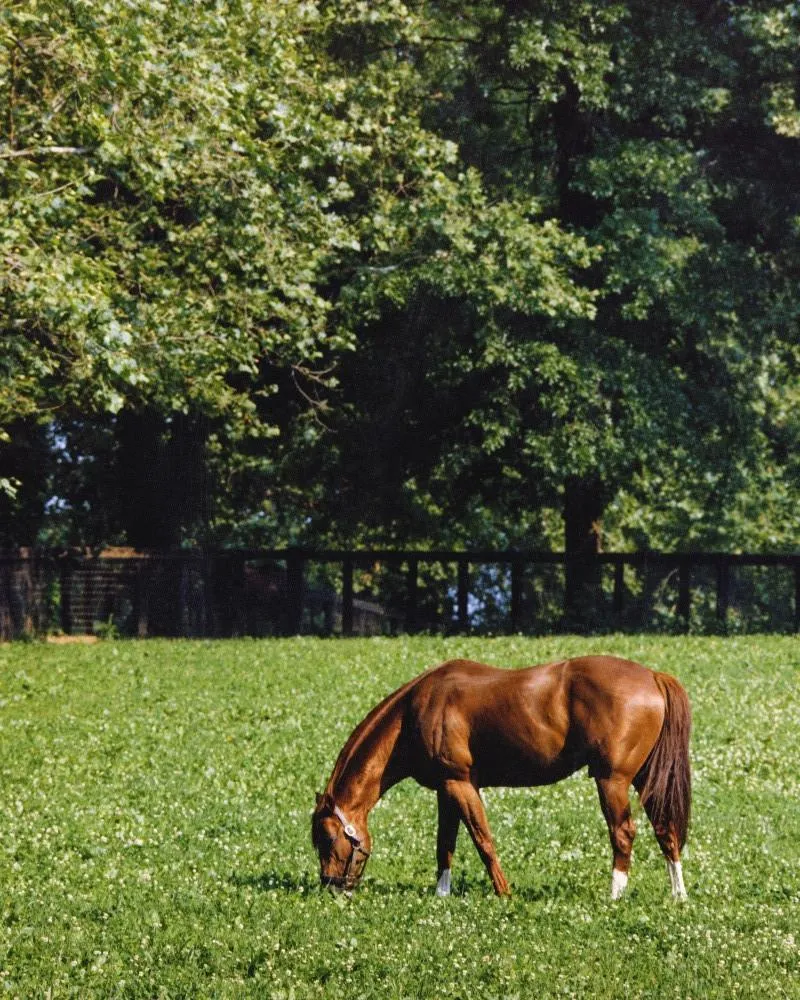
<point>463,726</point>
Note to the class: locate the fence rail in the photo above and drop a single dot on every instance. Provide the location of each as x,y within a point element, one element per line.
<point>289,591</point>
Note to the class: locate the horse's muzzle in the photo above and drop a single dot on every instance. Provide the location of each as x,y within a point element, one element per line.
<point>339,884</point>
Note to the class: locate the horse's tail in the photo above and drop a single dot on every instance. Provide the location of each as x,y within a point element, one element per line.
<point>665,781</point>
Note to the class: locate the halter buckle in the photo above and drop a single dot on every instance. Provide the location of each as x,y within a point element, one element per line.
<point>347,827</point>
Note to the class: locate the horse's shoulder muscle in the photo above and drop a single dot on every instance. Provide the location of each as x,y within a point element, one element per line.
<point>437,709</point>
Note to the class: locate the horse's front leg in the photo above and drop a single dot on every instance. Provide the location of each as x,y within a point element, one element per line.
<point>449,818</point>
<point>467,801</point>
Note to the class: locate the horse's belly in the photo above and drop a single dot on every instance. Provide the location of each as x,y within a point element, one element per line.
<point>505,764</point>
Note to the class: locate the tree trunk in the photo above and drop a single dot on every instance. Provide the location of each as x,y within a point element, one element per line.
<point>584,496</point>
<point>160,477</point>
<point>583,509</point>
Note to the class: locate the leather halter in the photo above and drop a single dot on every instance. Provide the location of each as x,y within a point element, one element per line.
<point>345,880</point>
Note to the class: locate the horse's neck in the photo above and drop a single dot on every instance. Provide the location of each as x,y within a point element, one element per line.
<point>371,762</point>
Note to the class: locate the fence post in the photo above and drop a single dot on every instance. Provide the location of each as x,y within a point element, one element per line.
<point>295,585</point>
<point>411,598</point>
<point>619,589</point>
<point>65,581</point>
<point>516,593</point>
<point>141,599</point>
<point>347,596</point>
<point>6,624</point>
<point>723,589</point>
<point>463,594</point>
<point>207,575</point>
<point>797,597</point>
<point>184,612</point>
<point>684,589</point>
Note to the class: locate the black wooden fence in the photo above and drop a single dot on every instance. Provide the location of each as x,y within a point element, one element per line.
<point>385,591</point>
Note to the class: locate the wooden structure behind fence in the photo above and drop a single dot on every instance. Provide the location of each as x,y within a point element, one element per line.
<point>293,591</point>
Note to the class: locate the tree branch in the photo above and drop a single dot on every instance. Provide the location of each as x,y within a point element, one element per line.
<point>12,154</point>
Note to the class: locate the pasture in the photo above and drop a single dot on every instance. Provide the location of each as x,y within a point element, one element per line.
<point>154,837</point>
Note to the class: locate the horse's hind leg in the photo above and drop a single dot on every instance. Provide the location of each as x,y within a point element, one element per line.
<point>675,870</point>
<point>667,837</point>
<point>449,819</point>
<point>613,792</point>
<point>466,799</point>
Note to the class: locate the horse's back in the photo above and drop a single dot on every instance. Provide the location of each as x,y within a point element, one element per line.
<point>469,683</point>
<point>610,681</point>
<point>536,724</point>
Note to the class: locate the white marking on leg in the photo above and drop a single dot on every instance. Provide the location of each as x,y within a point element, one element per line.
<point>618,882</point>
<point>676,880</point>
<point>443,885</point>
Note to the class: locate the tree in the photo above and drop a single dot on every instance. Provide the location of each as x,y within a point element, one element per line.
<point>166,234</point>
<point>216,199</point>
<point>468,273</point>
<point>624,125</point>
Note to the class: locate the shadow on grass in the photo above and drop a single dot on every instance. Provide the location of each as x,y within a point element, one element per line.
<point>308,882</point>
<point>270,881</point>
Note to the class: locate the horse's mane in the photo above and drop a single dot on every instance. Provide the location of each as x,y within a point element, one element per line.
<point>368,725</point>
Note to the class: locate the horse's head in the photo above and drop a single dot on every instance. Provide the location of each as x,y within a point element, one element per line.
<point>342,847</point>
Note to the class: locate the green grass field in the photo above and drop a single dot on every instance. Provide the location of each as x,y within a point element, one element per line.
<point>155,834</point>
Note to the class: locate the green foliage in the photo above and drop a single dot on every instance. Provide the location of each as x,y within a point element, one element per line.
<point>180,240</point>
<point>624,123</point>
<point>156,817</point>
<point>218,194</point>
<point>488,249</point>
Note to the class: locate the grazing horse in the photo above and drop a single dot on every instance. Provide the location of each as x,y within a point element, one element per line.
<point>463,726</point>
